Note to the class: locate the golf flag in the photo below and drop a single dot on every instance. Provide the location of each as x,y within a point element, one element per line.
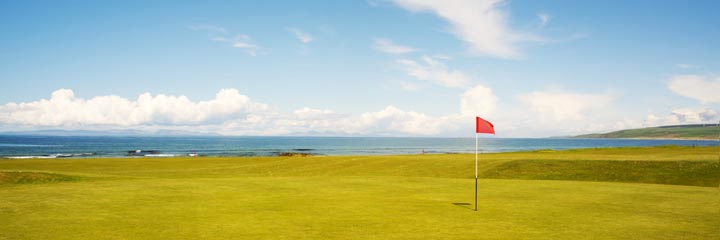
<point>483,126</point>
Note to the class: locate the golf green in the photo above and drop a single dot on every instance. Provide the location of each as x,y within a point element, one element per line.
<point>369,197</point>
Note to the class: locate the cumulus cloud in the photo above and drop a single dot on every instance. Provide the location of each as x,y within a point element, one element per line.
<point>220,34</point>
<point>433,70</point>
<point>228,113</point>
<point>702,88</point>
<point>301,36</point>
<point>684,116</point>
<point>482,24</point>
<point>694,115</point>
<point>387,46</point>
<point>540,113</point>
<point>478,100</point>
<point>392,119</point>
<point>560,106</point>
<point>64,109</point>
<point>310,113</point>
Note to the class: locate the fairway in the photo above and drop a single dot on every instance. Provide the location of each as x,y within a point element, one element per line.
<point>368,197</point>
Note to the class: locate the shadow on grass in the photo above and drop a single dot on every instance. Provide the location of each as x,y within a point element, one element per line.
<point>22,177</point>
<point>463,204</point>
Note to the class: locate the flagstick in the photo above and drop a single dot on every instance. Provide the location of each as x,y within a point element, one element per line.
<point>476,170</point>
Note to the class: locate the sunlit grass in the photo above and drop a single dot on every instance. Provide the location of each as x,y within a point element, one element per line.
<point>370,197</point>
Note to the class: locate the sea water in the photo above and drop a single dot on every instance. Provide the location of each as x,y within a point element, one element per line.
<point>116,146</point>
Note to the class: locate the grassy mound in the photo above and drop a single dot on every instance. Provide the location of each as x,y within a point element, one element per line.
<point>692,173</point>
<point>18,177</point>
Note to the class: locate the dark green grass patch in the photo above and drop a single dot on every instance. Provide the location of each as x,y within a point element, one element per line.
<point>19,177</point>
<point>691,173</point>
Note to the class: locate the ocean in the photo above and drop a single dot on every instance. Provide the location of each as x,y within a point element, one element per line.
<point>114,146</point>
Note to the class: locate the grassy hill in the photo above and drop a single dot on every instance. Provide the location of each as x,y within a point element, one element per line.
<point>695,131</point>
<point>619,193</point>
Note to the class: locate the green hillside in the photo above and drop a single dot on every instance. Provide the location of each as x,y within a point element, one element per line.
<point>695,131</point>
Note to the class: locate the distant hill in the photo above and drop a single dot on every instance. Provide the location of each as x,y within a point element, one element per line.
<point>694,131</point>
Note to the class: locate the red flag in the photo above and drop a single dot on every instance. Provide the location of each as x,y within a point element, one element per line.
<point>483,126</point>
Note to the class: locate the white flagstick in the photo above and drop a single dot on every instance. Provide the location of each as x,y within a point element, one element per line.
<point>476,169</point>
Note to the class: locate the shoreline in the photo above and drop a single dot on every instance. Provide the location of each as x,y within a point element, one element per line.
<point>304,154</point>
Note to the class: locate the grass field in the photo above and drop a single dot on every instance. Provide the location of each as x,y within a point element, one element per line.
<point>620,193</point>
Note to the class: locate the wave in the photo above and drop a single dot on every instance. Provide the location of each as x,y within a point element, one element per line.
<point>27,145</point>
<point>160,155</point>
<point>56,155</point>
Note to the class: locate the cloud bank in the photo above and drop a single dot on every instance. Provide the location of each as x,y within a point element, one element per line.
<point>64,109</point>
<point>539,113</point>
<point>229,113</point>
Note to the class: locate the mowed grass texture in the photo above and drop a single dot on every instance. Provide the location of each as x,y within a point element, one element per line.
<point>369,197</point>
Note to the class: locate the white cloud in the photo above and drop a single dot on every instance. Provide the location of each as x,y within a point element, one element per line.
<point>302,36</point>
<point>557,106</point>
<point>702,88</point>
<point>310,113</point>
<point>694,115</point>
<point>478,100</point>
<point>394,120</point>
<point>64,109</point>
<point>433,70</point>
<point>482,24</point>
<point>684,116</point>
<point>388,46</point>
<point>243,42</point>
<point>544,19</point>
<point>229,113</point>
<point>220,34</point>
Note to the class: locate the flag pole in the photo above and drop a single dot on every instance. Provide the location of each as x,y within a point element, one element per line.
<point>476,170</point>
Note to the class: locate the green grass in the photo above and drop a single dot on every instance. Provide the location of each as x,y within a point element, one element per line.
<point>692,173</point>
<point>20,177</point>
<point>699,131</point>
<point>371,197</point>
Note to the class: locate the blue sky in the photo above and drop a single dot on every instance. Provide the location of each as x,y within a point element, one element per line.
<point>390,68</point>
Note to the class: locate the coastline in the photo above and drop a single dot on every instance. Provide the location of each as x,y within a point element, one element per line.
<point>310,155</point>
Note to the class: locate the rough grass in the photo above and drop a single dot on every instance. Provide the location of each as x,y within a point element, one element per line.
<point>692,173</point>
<point>369,197</point>
<point>20,177</point>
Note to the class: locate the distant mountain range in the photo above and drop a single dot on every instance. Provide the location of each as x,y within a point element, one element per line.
<point>57,132</point>
<point>693,131</point>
